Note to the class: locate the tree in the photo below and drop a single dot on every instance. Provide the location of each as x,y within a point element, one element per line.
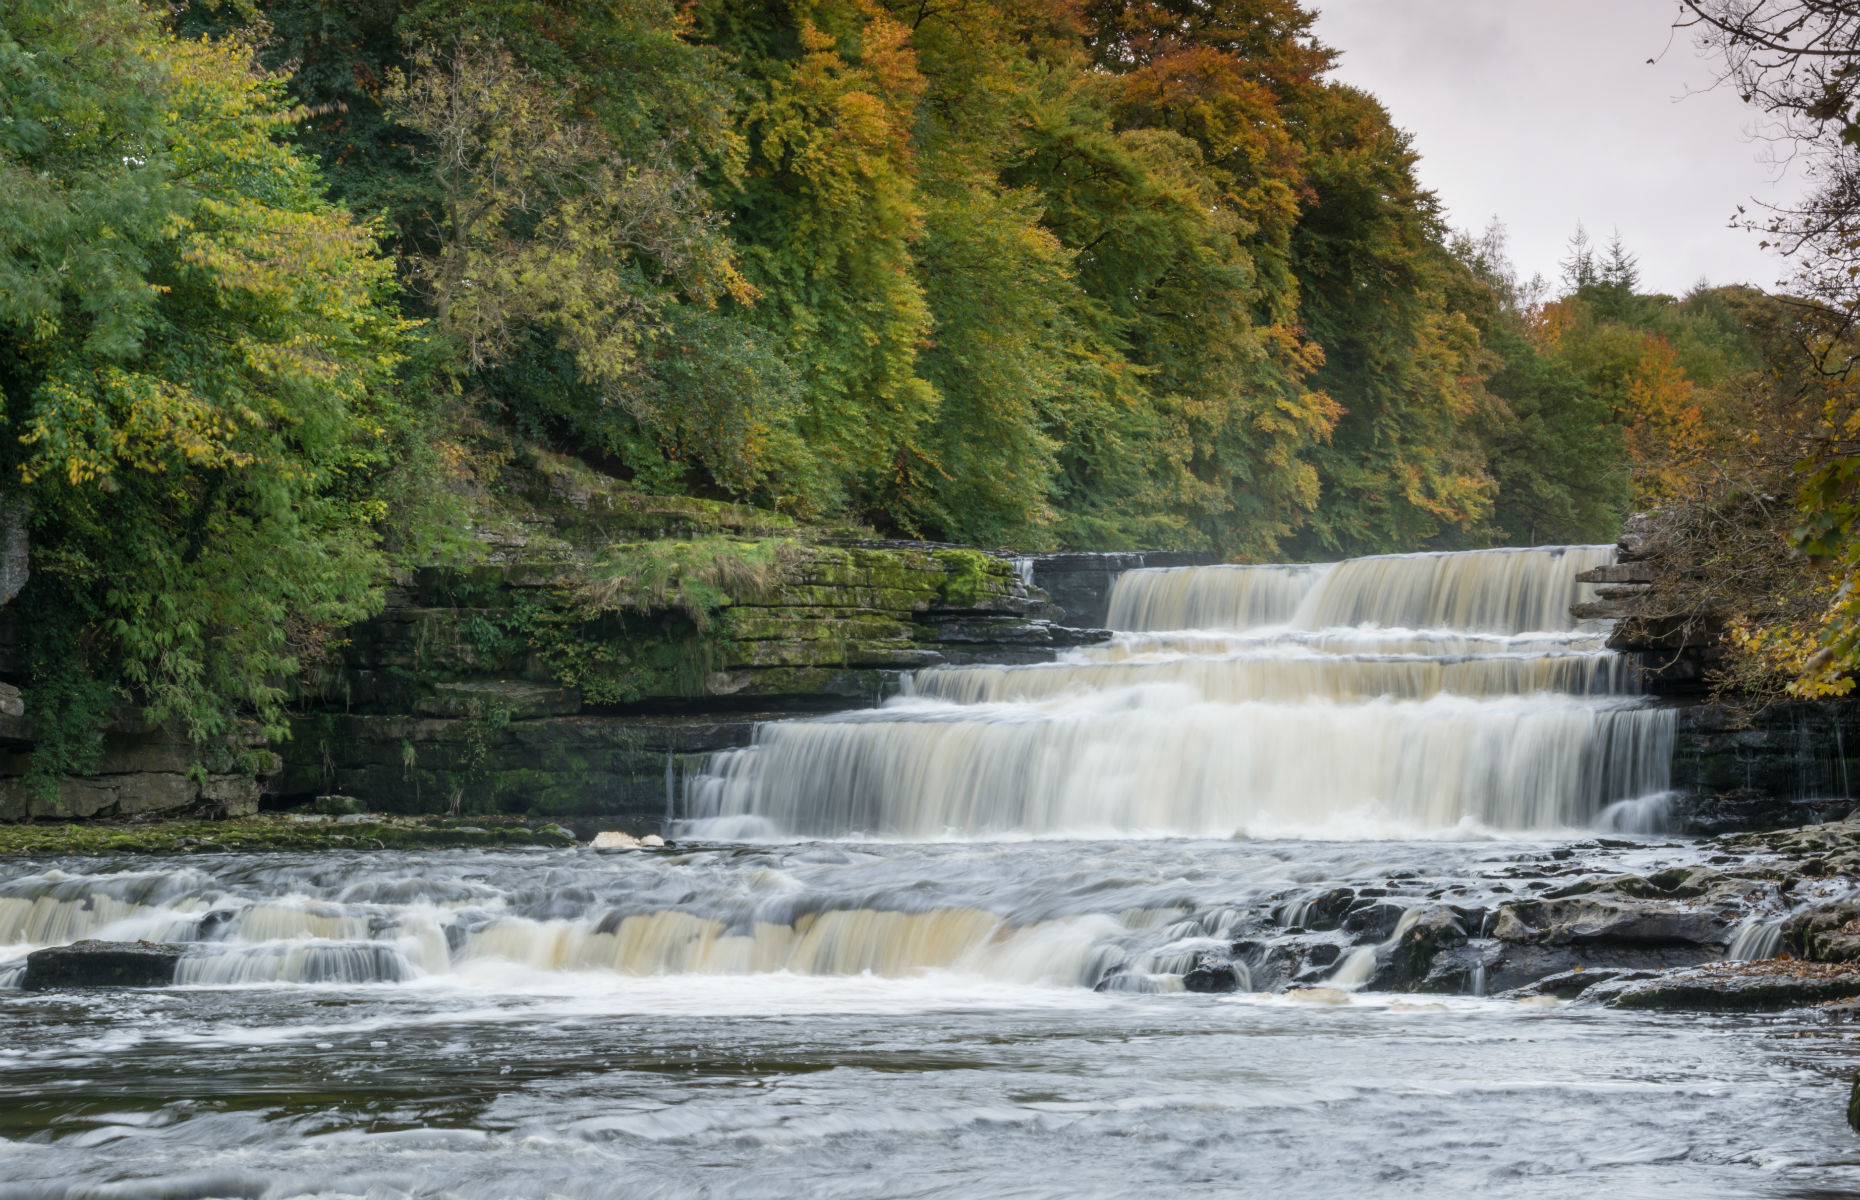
<point>1798,61</point>
<point>1398,472</point>
<point>1549,440</point>
<point>197,356</point>
<point>826,214</point>
<point>549,240</point>
<point>1579,267</point>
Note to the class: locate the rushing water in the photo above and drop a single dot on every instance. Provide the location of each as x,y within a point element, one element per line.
<point>516,1041</point>
<point>946,966</point>
<point>1374,697</point>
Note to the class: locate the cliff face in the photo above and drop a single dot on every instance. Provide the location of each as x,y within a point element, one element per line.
<point>1737,764</point>
<point>1783,765</point>
<point>489,706</point>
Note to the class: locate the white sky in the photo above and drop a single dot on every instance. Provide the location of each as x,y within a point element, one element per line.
<point>1545,112</point>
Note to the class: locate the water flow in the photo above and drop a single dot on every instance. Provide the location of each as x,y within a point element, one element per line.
<point>1387,696</point>
<point>1495,591</point>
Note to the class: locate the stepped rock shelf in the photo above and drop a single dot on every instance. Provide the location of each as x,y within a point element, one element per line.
<point>484,690</point>
<point>441,700</point>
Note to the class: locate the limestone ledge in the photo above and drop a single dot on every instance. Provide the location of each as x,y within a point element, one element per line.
<point>141,769</point>
<point>842,624</point>
<point>460,698</point>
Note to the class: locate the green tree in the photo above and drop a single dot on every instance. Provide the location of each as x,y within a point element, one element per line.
<point>1399,472</point>
<point>197,358</point>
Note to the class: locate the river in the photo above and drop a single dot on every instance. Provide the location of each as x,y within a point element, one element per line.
<point>940,948</point>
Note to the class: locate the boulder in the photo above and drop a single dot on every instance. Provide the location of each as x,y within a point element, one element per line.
<point>1411,959</point>
<point>93,964</point>
<point>1827,933</point>
<point>1212,976</point>
<point>1624,920</point>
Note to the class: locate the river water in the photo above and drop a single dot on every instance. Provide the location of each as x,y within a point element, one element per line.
<point>939,949</point>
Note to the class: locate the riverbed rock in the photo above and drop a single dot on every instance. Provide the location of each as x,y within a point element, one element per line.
<point>1373,920</point>
<point>1411,959</point>
<point>1567,985</point>
<point>1763,986</point>
<point>94,964</point>
<point>1326,912</point>
<point>1828,933</point>
<point>1212,976</point>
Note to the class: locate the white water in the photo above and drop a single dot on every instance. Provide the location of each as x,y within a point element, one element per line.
<point>1492,591</point>
<point>974,1013</point>
<point>1395,696</point>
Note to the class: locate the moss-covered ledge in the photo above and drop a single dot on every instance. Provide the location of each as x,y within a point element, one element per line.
<point>276,832</point>
<point>595,686</point>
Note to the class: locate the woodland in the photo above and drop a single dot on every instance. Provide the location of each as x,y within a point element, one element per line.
<point>284,284</point>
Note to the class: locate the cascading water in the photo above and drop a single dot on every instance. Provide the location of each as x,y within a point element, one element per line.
<point>1395,695</point>
<point>968,999</point>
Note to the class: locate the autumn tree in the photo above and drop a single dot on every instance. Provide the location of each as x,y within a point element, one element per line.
<point>1798,62</point>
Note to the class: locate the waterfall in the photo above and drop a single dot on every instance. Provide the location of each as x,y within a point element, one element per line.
<point>1501,591</point>
<point>1381,696</point>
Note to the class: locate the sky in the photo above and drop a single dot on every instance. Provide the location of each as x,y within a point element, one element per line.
<point>1544,113</point>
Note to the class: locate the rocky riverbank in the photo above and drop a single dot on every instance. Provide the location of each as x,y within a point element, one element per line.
<point>1752,921</point>
<point>1747,922</point>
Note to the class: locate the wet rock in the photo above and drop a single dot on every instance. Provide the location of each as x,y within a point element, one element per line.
<point>1826,933</point>
<point>1567,985</point>
<point>1316,962</point>
<point>1734,987</point>
<point>335,806</point>
<point>1741,809</point>
<point>1269,965</point>
<point>1411,959</point>
<point>1516,966</point>
<point>1677,918</point>
<point>1603,919</point>
<point>556,835</point>
<point>1326,912</point>
<point>93,964</point>
<point>1373,920</point>
<point>1463,970</point>
<point>214,924</point>
<point>1853,1105</point>
<point>1323,954</point>
<point>1212,976</point>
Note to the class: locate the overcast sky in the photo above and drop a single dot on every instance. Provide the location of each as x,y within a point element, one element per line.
<point>1545,112</point>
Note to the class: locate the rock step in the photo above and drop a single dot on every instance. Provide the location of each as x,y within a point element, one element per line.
<point>1623,572</point>
<point>94,964</point>
<point>1602,610</point>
